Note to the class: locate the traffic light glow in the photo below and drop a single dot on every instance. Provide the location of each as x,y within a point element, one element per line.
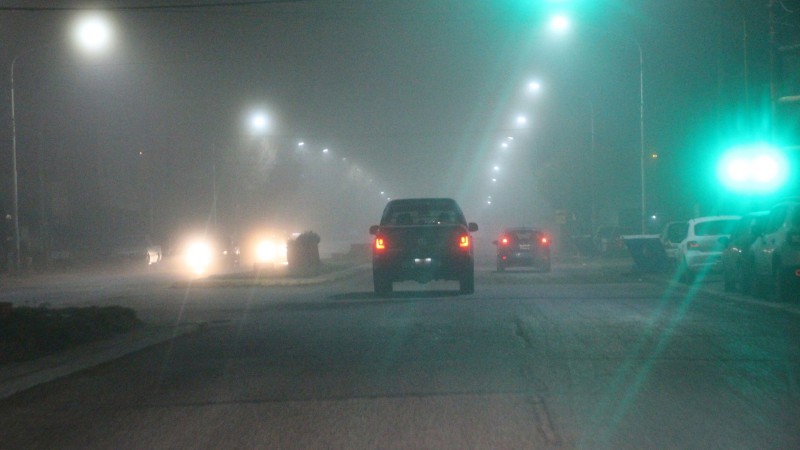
<point>757,169</point>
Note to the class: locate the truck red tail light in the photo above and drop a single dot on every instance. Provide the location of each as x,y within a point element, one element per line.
<point>380,244</point>
<point>504,241</point>
<point>463,241</point>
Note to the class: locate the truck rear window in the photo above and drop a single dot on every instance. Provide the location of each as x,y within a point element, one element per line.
<point>430,212</point>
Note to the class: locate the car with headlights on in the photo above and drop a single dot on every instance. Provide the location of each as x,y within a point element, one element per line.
<point>776,252</point>
<point>523,247</point>
<point>206,253</point>
<point>423,239</point>
<point>701,251</point>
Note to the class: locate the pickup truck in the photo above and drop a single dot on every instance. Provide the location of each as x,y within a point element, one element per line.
<point>423,239</point>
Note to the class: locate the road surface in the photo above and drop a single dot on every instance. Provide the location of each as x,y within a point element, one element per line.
<point>588,356</point>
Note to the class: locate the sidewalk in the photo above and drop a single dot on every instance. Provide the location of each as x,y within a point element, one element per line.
<point>18,377</point>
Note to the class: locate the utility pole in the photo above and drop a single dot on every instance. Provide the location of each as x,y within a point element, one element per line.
<point>773,88</point>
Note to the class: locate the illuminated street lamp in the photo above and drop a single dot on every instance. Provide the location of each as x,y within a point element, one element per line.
<point>93,33</point>
<point>259,122</point>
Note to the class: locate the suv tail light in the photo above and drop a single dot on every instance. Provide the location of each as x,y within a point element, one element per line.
<point>504,240</point>
<point>463,241</point>
<point>380,244</point>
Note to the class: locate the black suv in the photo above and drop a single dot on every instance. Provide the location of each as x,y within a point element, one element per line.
<point>423,239</point>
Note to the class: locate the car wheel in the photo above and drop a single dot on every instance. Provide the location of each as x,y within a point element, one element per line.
<point>382,283</point>
<point>685,273</point>
<point>728,280</point>
<point>467,283</point>
<point>745,276</point>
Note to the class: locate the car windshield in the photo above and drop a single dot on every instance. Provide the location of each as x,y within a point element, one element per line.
<point>715,227</point>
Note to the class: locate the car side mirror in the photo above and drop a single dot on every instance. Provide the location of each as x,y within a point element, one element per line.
<point>472,227</point>
<point>373,230</point>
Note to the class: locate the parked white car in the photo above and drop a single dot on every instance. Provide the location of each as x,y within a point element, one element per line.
<point>776,252</point>
<point>671,237</point>
<point>701,250</point>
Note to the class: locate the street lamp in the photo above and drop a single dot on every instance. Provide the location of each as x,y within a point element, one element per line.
<point>560,23</point>
<point>259,122</point>
<point>92,32</point>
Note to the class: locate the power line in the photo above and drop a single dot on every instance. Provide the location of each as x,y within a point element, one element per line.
<point>151,7</point>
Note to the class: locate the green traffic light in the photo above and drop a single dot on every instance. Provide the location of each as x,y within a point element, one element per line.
<point>758,169</point>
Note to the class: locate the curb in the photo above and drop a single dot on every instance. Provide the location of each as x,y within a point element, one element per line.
<point>17,377</point>
<point>790,308</point>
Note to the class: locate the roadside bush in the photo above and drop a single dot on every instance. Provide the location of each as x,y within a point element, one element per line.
<point>28,333</point>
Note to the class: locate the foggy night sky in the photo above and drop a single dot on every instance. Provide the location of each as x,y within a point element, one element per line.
<point>415,94</point>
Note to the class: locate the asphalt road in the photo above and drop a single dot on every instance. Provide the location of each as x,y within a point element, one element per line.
<point>588,356</point>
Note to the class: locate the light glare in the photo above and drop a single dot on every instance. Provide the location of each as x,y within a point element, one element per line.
<point>559,23</point>
<point>93,32</point>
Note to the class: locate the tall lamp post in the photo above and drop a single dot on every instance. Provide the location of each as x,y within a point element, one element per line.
<point>93,33</point>
<point>560,23</point>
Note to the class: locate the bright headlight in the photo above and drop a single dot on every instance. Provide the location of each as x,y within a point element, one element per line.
<point>199,256</point>
<point>267,251</point>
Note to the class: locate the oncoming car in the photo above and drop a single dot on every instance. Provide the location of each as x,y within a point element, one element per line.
<point>205,253</point>
<point>523,247</point>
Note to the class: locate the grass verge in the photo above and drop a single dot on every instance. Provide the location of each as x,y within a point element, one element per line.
<point>31,332</point>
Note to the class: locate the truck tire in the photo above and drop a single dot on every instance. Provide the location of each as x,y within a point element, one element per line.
<point>382,283</point>
<point>466,285</point>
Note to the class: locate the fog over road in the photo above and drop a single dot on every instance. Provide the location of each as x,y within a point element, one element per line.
<point>585,357</point>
